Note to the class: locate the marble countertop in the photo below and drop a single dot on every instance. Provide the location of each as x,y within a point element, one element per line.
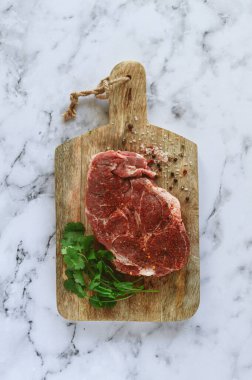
<point>198,59</point>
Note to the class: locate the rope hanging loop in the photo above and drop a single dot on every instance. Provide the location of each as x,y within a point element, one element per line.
<point>101,92</point>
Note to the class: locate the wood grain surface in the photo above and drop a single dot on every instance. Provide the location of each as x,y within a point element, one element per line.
<point>179,292</point>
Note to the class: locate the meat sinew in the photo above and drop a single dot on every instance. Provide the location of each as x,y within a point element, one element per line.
<point>133,217</point>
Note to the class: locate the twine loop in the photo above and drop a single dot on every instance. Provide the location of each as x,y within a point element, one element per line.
<point>101,92</point>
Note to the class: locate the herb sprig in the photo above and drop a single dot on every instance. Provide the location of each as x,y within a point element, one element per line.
<point>89,271</point>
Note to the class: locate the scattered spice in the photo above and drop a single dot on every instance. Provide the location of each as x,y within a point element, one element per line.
<point>142,148</point>
<point>157,156</point>
<point>187,199</point>
<point>155,151</point>
<point>130,127</point>
<point>170,188</point>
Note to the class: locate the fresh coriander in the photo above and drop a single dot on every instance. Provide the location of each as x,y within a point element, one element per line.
<point>90,273</point>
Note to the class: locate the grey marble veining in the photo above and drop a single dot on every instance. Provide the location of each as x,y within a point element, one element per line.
<point>198,59</point>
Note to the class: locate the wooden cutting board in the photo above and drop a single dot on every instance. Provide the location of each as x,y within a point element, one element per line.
<point>179,292</point>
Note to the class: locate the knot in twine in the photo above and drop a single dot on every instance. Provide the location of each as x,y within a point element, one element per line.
<point>101,92</point>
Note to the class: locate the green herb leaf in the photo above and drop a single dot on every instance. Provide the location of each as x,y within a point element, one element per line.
<point>74,227</point>
<point>91,255</point>
<point>74,261</point>
<point>70,249</point>
<point>71,286</point>
<point>79,291</point>
<point>108,303</point>
<point>88,242</point>
<point>102,253</point>
<point>78,277</point>
<point>69,273</point>
<point>95,301</point>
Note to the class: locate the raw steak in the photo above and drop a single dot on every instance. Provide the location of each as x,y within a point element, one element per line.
<point>133,217</point>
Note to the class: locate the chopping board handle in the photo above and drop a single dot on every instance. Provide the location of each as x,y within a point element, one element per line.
<point>127,101</point>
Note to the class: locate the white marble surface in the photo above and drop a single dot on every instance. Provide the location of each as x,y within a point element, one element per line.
<point>199,69</point>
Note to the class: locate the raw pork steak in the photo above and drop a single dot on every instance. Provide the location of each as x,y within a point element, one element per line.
<point>133,217</point>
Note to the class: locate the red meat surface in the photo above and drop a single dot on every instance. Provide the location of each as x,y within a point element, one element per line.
<point>134,218</point>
